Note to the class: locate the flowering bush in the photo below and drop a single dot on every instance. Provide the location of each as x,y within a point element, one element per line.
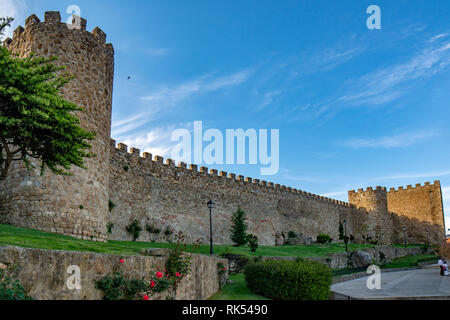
<point>178,265</point>
<point>9,289</point>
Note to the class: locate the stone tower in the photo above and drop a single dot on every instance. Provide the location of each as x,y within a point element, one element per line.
<point>377,222</point>
<point>76,205</point>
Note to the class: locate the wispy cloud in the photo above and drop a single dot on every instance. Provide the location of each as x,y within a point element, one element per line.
<point>156,141</point>
<point>392,82</point>
<point>418,175</point>
<point>15,9</point>
<point>172,96</point>
<point>157,52</point>
<point>388,142</point>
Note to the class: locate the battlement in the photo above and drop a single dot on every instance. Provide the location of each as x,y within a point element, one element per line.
<point>158,162</point>
<point>426,185</point>
<point>367,190</point>
<point>52,19</point>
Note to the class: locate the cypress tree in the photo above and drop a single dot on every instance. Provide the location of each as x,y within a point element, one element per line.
<point>239,228</point>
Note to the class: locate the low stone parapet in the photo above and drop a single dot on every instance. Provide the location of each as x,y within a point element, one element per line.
<point>44,273</point>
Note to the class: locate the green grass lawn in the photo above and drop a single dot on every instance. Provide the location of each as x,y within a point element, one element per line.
<point>410,261</point>
<point>237,291</point>
<point>28,238</point>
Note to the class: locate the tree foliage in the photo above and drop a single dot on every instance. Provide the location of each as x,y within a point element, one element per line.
<point>239,228</point>
<point>4,23</point>
<point>37,125</point>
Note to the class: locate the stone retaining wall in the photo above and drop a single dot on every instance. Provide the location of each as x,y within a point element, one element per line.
<point>44,272</point>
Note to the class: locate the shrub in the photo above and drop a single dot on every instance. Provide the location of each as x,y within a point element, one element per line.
<point>134,229</point>
<point>109,227</point>
<point>239,228</point>
<point>9,289</point>
<point>152,229</point>
<point>292,234</point>
<point>289,280</point>
<point>323,238</point>
<point>252,242</point>
<point>111,205</point>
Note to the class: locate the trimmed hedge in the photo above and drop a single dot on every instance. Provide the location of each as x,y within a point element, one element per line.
<point>289,280</point>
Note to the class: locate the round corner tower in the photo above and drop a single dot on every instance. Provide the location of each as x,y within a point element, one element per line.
<point>73,205</point>
<point>377,220</point>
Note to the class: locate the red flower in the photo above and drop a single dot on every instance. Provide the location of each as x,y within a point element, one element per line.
<point>177,274</point>
<point>122,261</point>
<point>224,269</point>
<point>159,275</point>
<point>152,284</point>
<point>145,297</point>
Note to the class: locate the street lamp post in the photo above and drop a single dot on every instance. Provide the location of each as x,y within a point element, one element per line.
<point>345,236</point>
<point>428,239</point>
<point>404,235</point>
<point>210,206</point>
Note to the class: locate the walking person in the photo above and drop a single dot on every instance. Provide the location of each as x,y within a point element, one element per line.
<point>441,265</point>
<point>445,268</point>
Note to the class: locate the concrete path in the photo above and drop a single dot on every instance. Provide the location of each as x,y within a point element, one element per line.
<point>416,284</point>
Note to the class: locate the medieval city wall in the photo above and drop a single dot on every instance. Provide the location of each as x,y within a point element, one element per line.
<point>420,210</point>
<point>165,195</point>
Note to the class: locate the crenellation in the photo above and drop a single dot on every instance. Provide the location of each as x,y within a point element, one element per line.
<point>232,176</point>
<point>31,21</point>
<point>256,181</point>
<point>82,23</point>
<point>248,180</point>
<point>223,174</point>
<point>204,170</point>
<point>135,152</point>
<point>159,159</point>
<point>147,156</point>
<point>17,32</point>
<point>264,183</point>
<point>170,163</point>
<point>99,34</point>
<point>52,17</point>
<point>240,178</point>
<point>213,172</point>
<point>122,147</point>
<point>193,167</point>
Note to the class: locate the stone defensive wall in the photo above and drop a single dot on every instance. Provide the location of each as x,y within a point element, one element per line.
<point>73,205</point>
<point>43,273</point>
<point>163,194</point>
<point>420,210</point>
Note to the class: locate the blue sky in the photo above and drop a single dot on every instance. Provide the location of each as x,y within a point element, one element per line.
<point>355,107</point>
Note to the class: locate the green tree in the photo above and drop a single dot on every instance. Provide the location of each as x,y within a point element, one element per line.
<point>37,125</point>
<point>239,228</point>
<point>4,23</point>
<point>341,231</point>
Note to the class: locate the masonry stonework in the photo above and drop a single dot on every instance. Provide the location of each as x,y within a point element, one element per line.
<point>75,205</point>
<point>165,195</point>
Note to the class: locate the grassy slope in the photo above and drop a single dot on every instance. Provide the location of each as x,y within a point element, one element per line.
<point>237,291</point>
<point>37,239</point>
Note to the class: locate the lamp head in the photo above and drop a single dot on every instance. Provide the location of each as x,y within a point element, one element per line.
<point>210,204</point>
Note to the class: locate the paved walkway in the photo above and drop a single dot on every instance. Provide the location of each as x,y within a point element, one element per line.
<point>412,284</point>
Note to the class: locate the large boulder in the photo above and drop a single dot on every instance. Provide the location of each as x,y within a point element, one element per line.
<point>360,259</point>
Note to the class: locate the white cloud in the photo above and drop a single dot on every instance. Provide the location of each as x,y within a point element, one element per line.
<point>389,84</point>
<point>397,141</point>
<point>15,9</point>
<point>157,52</point>
<point>168,97</point>
<point>428,175</point>
<point>156,141</point>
